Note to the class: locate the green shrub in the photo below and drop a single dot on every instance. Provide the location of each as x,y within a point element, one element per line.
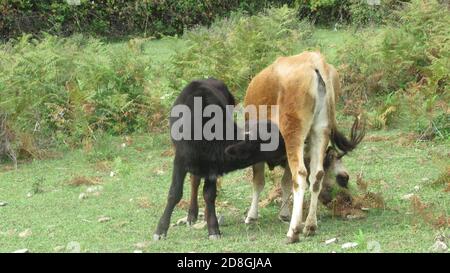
<point>362,14</point>
<point>69,88</point>
<point>356,12</point>
<point>411,56</point>
<point>115,18</point>
<point>324,12</point>
<point>237,48</point>
<point>414,50</point>
<point>72,90</point>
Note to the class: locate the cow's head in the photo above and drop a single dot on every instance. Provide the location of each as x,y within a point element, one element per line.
<point>334,167</point>
<point>333,163</point>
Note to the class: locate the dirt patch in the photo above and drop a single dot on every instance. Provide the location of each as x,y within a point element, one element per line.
<point>7,168</point>
<point>144,203</point>
<point>83,180</point>
<point>273,196</point>
<point>168,153</point>
<point>427,214</point>
<point>103,166</point>
<point>448,188</point>
<point>342,204</point>
<point>348,206</point>
<point>183,204</point>
<point>443,180</point>
<point>373,138</point>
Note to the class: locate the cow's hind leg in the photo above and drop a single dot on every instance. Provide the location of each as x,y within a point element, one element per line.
<point>175,194</point>
<point>258,186</point>
<point>193,206</point>
<point>294,133</point>
<point>318,143</point>
<point>286,189</point>
<point>209,194</point>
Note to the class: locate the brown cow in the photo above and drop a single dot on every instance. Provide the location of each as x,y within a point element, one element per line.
<point>304,87</point>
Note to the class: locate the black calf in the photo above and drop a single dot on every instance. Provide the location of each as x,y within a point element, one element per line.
<point>207,158</point>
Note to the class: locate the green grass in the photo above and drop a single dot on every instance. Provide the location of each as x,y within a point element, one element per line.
<point>57,216</point>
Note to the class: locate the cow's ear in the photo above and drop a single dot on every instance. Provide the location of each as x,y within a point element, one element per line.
<point>240,150</point>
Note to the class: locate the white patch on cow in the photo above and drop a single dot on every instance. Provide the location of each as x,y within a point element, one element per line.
<point>297,209</point>
<point>258,186</point>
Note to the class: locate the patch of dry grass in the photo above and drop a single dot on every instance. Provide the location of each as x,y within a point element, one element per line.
<point>84,180</point>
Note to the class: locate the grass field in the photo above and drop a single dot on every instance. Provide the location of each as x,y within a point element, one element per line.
<point>134,198</point>
<point>44,212</point>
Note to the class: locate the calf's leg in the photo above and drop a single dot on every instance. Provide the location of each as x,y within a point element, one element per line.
<point>209,194</point>
<point>193,207</point>
<point>175,194</point>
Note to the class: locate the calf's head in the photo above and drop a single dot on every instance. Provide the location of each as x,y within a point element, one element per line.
<point>262,142</point>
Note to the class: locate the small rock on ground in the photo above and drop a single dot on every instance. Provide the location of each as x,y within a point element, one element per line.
<point>439,247</point>
<point>59,248</point>
<point>25,233</point>
<point>330,241</point>
<point>94,189</point>
<point>141,244</point>
<point>349,245</point>
<point>73,247</point>
<point>82,196</point>
<point>2,204</point>
<point>104,219</point>
<point>407,196</point>
<point>181,222</point>
<point>24,250</point>
<point>199,225</point>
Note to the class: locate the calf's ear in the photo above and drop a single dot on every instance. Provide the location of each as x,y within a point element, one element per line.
<point>240,150</point>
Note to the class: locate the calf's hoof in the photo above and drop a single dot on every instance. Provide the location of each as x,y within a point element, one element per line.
<point>215,236</point>
<point>310,230</point>
<point>158,237</point>
<point>250,220</point>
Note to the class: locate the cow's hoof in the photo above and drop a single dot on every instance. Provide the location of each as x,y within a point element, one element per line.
<point>292,239</point>
<point>215,237</point>
<point>310,230</point>
<point>250,220</point>
<point>158,237</point>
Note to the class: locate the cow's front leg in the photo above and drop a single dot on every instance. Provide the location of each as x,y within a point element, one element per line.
<point>258,186</point>
<point>209,194</point>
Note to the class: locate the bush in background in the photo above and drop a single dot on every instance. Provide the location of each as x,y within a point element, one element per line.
<point>410,56</point>
<point>237,48</point>
<point>68,88</point>
<point>73,89</point>
<point>115,18</point>
<point>357,12</point>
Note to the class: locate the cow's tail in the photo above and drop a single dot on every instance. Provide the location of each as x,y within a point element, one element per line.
<point>338,139</point>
